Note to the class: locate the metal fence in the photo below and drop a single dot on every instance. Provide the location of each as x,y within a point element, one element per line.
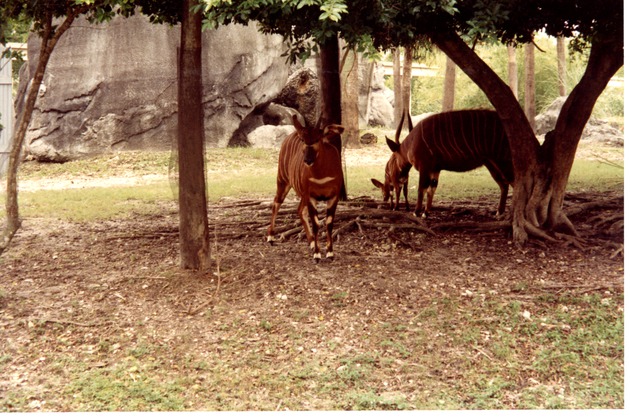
<point>6,111</point>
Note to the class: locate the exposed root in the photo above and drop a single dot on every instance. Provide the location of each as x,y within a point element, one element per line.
<point>365,214</point>
<point>572,240</point>
<point>618,251</point>
<point>565,225</point>
<point>536,232</point>
<point>474,226</point>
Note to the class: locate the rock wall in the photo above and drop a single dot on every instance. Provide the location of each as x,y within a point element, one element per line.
<point>594,131</point>
<point>114,86</point>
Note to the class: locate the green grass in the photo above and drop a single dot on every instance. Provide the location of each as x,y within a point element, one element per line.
<point>236,173</point>
<point>87,204</point>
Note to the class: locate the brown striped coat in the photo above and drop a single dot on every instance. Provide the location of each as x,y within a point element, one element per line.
<point>311,165</point>
<point>457,141</point>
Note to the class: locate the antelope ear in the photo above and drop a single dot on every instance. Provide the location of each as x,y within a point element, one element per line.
<point>393,146</point>
<point>377,183</point>
<point>332,130</point>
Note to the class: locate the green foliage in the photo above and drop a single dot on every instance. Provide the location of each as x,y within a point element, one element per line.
<point>427,91</point>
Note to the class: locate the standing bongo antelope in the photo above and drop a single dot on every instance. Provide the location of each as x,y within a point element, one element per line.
<point>396,172</point>
<point>456,141</point>
<point>311,165</point>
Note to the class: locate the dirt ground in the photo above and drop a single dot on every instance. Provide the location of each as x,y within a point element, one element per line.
<point>82,293</point>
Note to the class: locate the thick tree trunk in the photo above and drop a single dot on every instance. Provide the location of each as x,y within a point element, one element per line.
<point>331,93</point>
<point>448,97</point>
<point>330,82</point>
<point>193,212</point>
<point>560,146</point>
<point>50,37</point>
<point>541,173</point>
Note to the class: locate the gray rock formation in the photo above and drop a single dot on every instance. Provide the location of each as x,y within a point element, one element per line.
<point>114,86</point>
<point>302,93</point>
<point>380,109</point>
<point>269,136</point>
<point>595,130</point>
<point>269,114</point>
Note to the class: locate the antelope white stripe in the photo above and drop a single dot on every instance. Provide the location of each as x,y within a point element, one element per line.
<point>321,181</point>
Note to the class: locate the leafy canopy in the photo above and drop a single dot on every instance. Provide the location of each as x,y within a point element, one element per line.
<point>389,23</point>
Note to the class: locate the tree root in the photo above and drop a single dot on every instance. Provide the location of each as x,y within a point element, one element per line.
<point>572,240</point>
<point>618,251</point>
<point>474,226</point>
<point>536,232</point>
<point>364,214</point>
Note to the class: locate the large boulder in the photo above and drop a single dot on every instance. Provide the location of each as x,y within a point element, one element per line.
<point>269,136</point>
<point>380,110</point>
<point>594,131</point>
<point>269,114</point>
<point>302,93</point>
<point>114,86</point>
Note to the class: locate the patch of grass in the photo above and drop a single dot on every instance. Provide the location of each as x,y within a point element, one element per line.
<point>595,175</point>
<point>125,387</point>
<point>88,204</point>
<point>236,173</point>
<point>137,163</point>
<point>369,400</point>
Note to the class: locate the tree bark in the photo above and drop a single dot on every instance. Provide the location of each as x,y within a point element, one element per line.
<point>530,84</point>
<point>541,172</point>
<point>562,67</point>
<point>330,82</point>
<point>512,70</point>
<point>193,212</point>
<point>50,37</point>
<point>331,93</point>
<point>397,87</point>
<point>405,83</point>
<point>448,97</point>
<point>560,145</point>
<point>350,98</point>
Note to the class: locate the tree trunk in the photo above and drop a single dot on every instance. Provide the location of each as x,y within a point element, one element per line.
<point>605,59</point>
<point>541,173</point>
<point>562,67</point>
<point>50,37</point>
<point>530,84</point>
<point>512,70</point>
<point>350,98</point>
<point>405,83</point>
<point>331,93</point>
<point>193,212</point>
<point>397,87</point>
<point>448,98</point>
<point>330,83</point>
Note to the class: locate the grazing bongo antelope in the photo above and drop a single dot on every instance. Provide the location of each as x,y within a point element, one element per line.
<point>456,141</point>
<point>396,172</point>
<point>311,165</point>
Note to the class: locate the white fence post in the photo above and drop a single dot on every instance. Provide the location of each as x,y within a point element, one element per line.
<point>6,111</point>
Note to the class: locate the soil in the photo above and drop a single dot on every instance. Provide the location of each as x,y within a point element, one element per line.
<point>92,283</point>
<point>79,298</point>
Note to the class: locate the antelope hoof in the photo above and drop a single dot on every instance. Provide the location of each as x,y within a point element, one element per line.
<point>317,257</point>
<point>270,239</point>
<point>330,256</point>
